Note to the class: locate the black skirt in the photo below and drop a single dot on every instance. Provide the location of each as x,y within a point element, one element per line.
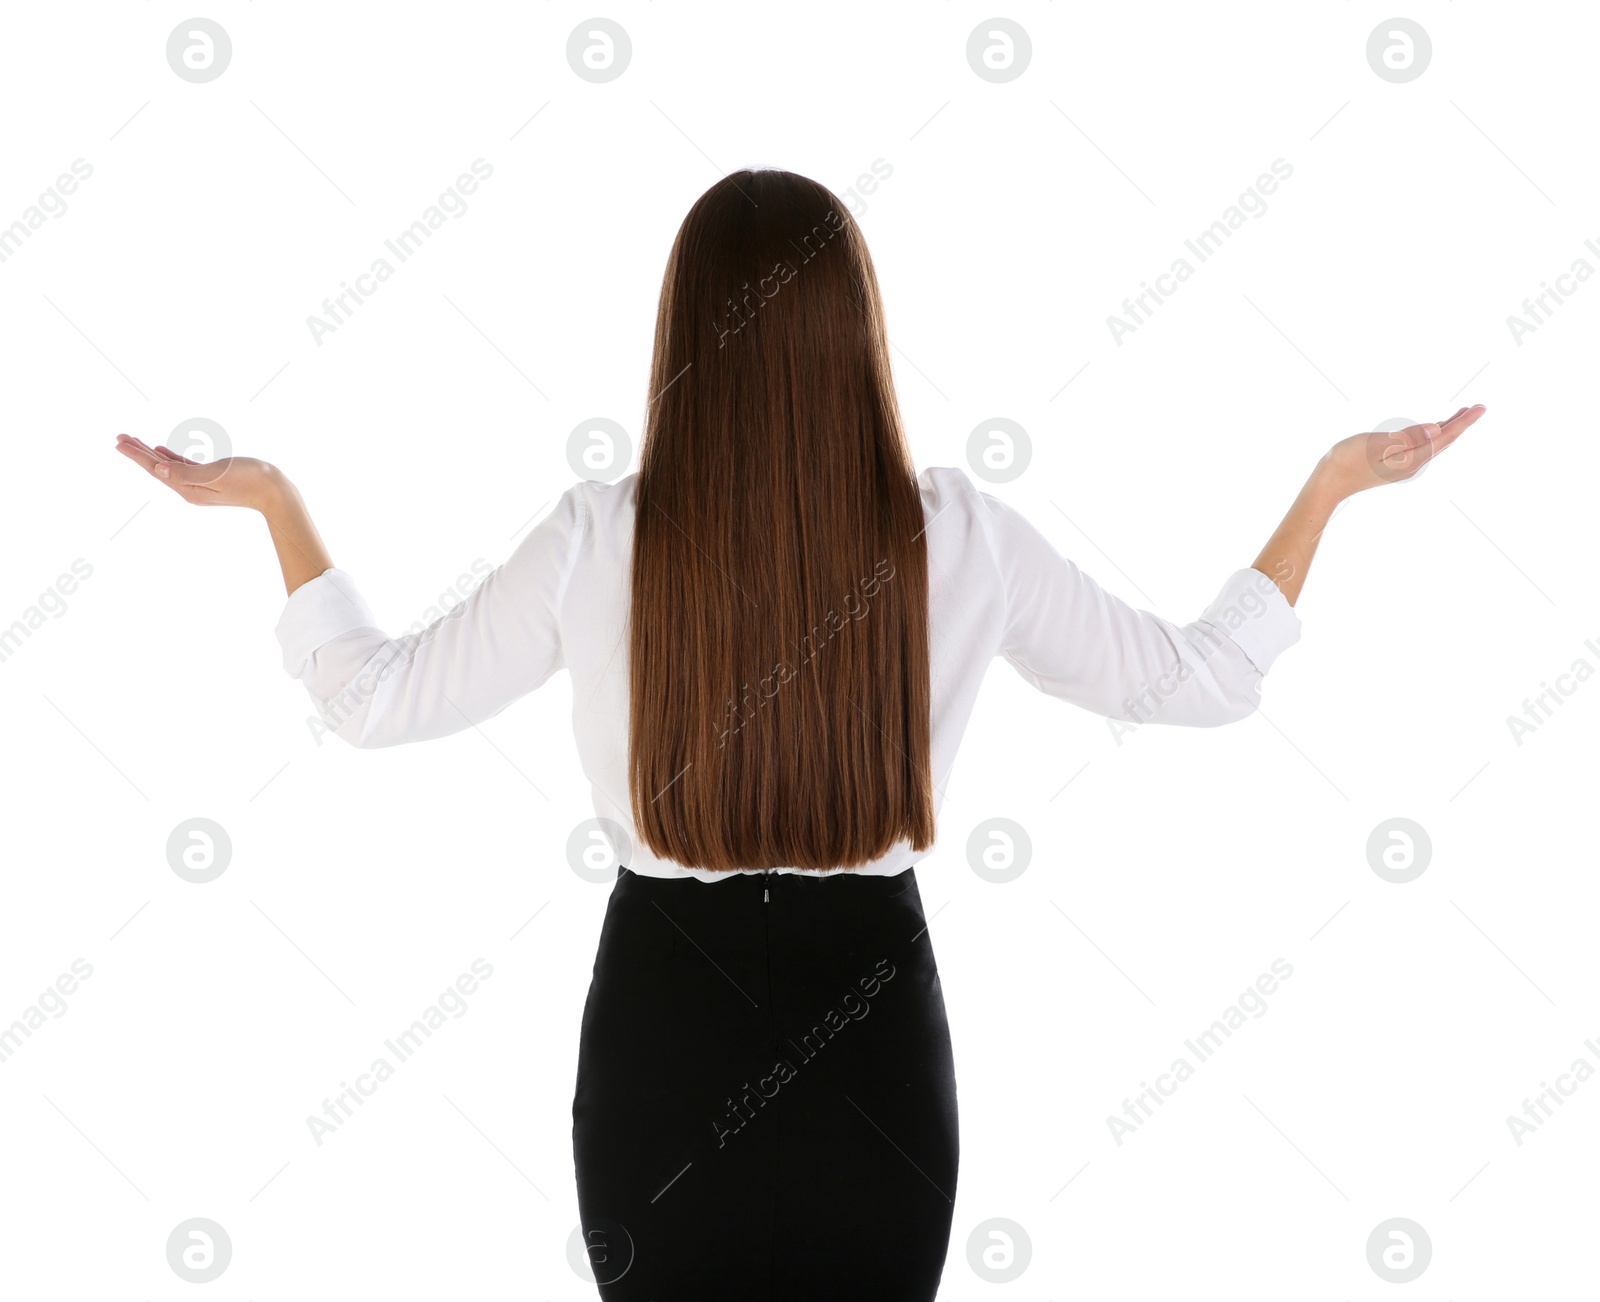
<point>766,1100</point>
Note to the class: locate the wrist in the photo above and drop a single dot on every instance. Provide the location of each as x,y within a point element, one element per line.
<point>276,495</point>
<point>1326,487</point>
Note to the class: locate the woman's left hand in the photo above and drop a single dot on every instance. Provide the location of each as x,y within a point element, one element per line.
<point>230,481</point>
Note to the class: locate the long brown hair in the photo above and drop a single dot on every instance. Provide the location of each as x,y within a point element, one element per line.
<point>779,670</point>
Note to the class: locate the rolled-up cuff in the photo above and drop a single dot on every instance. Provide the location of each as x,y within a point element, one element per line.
<point>316,613</point>
<point>1252,610</point>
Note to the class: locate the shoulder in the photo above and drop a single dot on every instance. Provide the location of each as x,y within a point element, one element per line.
<point>609,494</point>
<point>948,491</point>
<point>582,515</point>
<point>956,509</point>
<point>945,483</point>
<point>963,535</point>
<point>595,503</point>
<point>600,513</point>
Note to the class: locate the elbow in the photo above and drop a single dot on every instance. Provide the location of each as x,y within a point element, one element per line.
<point>321,729</point>
<point>350,727</point>
<point>1217,714</point>
<point>1238,701</point>
<point>1200,701</point>
<point>1237,710</point>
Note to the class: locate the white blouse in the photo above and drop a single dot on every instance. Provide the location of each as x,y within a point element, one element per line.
<point>996,587</point>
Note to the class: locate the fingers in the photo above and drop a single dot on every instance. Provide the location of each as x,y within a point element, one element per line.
<point>1404,453</point>
<point>165,453</point>
<point>1430,439</point>
<point>1436,432</point>
<point>185,477</point>
<point>1457,425</point>
<point>136,451</point>
<point>1404,443</point>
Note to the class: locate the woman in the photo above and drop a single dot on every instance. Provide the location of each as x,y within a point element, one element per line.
<point>776,631</point>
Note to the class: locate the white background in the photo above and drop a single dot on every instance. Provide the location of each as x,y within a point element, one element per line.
<point>431,428</point>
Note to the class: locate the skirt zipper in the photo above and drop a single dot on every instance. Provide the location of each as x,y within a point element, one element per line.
<point>766,940</point>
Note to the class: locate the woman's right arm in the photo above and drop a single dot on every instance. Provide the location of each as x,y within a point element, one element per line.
<point>1352,465</point>
<point>1072,639</point>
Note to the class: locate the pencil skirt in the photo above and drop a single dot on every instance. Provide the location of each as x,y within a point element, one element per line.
<point>765,1107</point>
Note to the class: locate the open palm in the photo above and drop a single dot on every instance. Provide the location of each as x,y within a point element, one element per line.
<point>1364,461</point>
<point>229,481</point>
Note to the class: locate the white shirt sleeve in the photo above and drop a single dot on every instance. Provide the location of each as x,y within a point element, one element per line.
<point>1070,638</point>
<point>499,643</point>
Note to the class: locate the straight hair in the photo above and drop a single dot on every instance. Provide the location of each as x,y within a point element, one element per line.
<point>779,657</point>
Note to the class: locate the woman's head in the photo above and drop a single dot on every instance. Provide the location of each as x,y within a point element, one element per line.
<point>779,712</point>
<point>768,239</point>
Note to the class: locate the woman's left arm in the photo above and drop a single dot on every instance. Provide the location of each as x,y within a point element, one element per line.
<point>499,643</point>
<point>247,482</point>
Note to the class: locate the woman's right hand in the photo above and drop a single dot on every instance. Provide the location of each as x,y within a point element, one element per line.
<point>1365,461</point>
<point>1351,465</point>
<point>230,481</point>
